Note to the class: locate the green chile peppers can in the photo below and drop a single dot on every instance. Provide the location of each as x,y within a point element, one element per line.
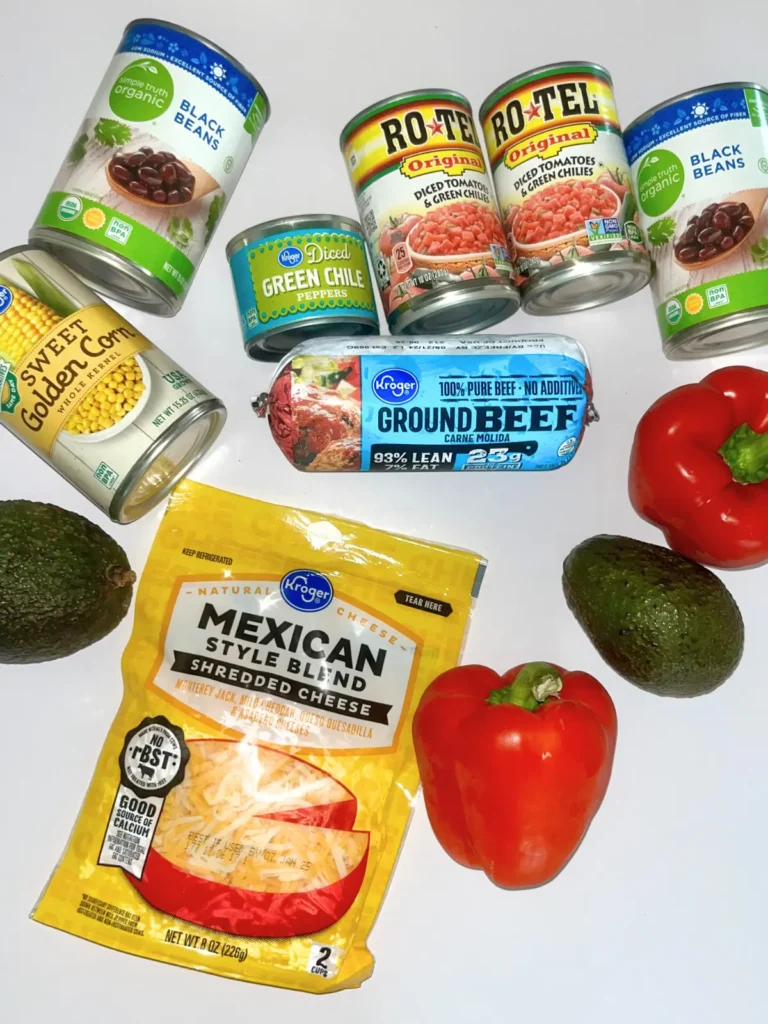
<point>299,278</point>
<point>152,166</point>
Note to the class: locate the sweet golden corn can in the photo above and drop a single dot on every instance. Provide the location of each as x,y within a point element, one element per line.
<point>90,394</point>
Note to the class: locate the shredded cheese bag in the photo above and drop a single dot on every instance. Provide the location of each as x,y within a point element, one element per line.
<point>251,798</point>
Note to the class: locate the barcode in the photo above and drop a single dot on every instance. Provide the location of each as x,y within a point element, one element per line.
<point>369,222</point>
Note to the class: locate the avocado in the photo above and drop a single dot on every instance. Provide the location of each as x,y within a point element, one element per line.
<point>64,583</point>
<point>666,624</point>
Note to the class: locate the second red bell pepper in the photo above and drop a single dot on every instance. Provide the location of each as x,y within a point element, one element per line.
<point>699,468</point>
<point>514,767</point>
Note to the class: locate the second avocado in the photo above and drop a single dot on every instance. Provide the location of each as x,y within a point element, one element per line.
<point>662,622</point>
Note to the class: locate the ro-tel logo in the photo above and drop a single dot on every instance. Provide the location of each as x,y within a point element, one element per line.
<point>561,101</point>
<point>395,386</point>
<point>290,256</point>
<point>412,129</point>
<point>306,590</point>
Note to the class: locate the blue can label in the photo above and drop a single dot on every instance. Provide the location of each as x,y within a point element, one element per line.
<point>288,279</point>
<point>503,404</point>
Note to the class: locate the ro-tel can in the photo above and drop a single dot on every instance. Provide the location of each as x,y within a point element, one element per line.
<point>700,169</point>
<point>491,402</point>
<point>91,395</point>
<point>299,278</point>
<point>152,166</point>
<point>429,214</point>
<point>562,180</point>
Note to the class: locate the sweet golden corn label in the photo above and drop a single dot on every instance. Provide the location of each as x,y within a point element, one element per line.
<point>79,384</point>
<point>253,792</point>
<point>65,367</point>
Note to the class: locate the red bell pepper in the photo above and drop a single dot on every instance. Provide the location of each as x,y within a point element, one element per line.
<point>699,468</point>
<point>514,767</point>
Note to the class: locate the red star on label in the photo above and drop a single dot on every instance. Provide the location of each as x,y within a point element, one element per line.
<point>534,110</point>
<point>435,127</point>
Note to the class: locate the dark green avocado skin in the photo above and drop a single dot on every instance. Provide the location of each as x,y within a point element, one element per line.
<point>64,583</point>
<point>666,624</point>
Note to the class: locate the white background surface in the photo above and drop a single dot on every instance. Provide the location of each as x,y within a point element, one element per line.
<point>661,915</point>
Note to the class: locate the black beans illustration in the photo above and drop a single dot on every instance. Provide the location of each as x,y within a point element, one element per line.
<point>715,230</point>
<point>159,177</point>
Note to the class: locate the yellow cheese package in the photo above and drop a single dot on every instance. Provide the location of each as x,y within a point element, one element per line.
<point>253,792</point>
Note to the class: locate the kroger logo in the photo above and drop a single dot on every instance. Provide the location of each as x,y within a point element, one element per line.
<point>306,590</point>
<point>395,386</point>
<point>290,256</point>
<point>6,298</point>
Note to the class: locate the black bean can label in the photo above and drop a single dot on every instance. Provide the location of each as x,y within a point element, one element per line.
<point>155,159</point>
<point>700,168</point>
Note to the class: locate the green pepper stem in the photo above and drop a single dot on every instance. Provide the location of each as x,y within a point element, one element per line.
<point>746,455</point>
<point>534,684</point>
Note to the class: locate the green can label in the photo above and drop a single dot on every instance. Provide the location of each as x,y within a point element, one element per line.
<point>293,277</point>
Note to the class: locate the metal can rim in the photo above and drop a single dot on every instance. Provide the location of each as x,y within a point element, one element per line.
<point>538,73</point>
<point>308,220</point>
<point>676,347</point>
<point>456,296</point>
<point>210,407</point>
<point>255,346</point>
<point>16,249</point>
<point>214,46</point>
<point>115,261</point>
<point>690,94</point>
<point>391,101</point>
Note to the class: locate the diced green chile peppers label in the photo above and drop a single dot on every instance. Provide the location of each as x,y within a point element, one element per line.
<point>293,277</point>
<point>700,171</point>
<point>169,93</point>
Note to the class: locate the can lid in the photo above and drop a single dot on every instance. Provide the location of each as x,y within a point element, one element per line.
<point>541,72</point>
<point>167,461</point>
<point>585,283</point>
<point>206,42</point>
<point>465,309</point>
<point>397,100</point>
<point>321,221</point>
